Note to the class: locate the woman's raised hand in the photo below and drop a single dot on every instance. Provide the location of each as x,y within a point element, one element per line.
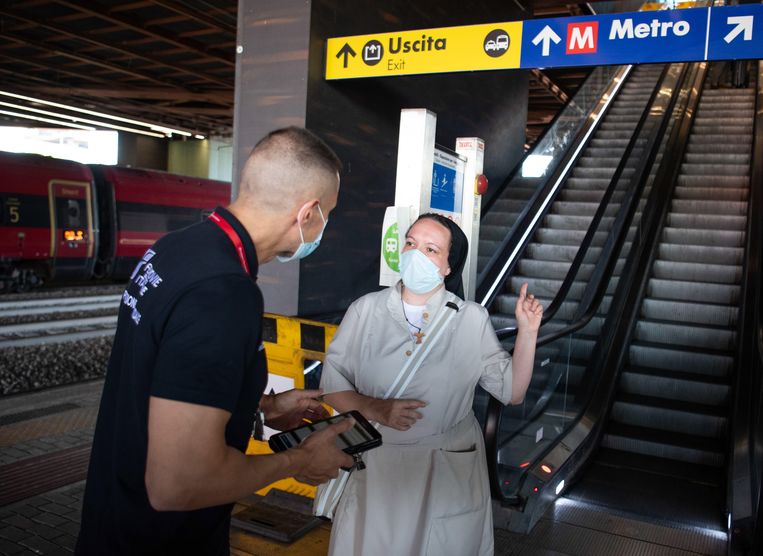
<point>528,311</point>
<point>396,414</point>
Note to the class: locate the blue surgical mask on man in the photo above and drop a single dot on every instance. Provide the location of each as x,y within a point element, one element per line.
<point>419,274</point>
<point>306,247</point>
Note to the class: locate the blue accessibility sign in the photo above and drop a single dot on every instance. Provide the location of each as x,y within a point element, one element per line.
<point>644,37</point>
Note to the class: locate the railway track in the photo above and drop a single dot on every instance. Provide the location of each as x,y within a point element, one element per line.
<point>48,326</point>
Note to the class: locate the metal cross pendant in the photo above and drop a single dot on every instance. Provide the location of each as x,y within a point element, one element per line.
<point>419,335</point>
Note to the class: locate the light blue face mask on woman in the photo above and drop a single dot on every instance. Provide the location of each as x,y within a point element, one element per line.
<point>419,274</point>
<point>306,247</point>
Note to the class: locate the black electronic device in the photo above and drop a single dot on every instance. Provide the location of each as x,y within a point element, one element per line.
<point>361,437</point>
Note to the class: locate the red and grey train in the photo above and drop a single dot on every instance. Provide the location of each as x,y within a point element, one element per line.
<point>65,221</point>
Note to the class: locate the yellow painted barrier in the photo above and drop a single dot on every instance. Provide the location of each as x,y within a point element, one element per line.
<point>291,344</point>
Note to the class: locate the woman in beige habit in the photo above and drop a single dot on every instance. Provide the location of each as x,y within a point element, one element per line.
<point>425,490</point>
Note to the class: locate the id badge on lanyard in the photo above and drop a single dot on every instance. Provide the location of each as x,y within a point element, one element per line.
<point>233,236</point>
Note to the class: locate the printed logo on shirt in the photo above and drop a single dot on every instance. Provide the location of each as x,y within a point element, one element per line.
<point>145,276</point>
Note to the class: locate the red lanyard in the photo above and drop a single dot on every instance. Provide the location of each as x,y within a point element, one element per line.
<point>231,233</point>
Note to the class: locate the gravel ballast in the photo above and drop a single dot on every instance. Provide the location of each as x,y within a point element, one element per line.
<point>23,369</point>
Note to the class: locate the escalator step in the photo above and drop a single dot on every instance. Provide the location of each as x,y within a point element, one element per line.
<point>709,207</point>
<point>717,158</point>
<point>586,196</point>
<point>596,184</point>
<point>677,311</point>
<point>562,253</point>
<point>577,223</point>
<point>582,209</point>
<point>709,238</point>
<point>705,193</point>
<point>669,415</point>
<point>596,172</point>
<point>706,475</point>
<point>568,237</point>
<point>550,269</point>
<point>728,128</point>
<point>674,385</point>
<point>700,253</point>
<point>668,445</point>
<point>714,148</point>
<point>683,335</point>
<point>696,362</point>
<point>696,272</point>
<point>707,221</point>
<point>719,294</point>
<point>719,139</point>
<point>609,142</point>
<point>710,170</point>
<point>713,120</point>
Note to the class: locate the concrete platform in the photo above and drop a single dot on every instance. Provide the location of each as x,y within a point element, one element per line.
<point>45,440</point>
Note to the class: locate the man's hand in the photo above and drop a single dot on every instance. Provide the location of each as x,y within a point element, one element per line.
<point>529,311</point>
<point>396,414</point>
<point>287,410</point>
<point>320,457</point>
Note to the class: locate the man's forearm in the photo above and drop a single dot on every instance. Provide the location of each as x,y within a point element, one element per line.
<point>224,480</point>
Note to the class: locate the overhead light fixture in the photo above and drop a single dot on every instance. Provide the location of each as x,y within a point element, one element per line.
<point>78,119</point>
<point>46,120</point>
<point>152,127</point>
<point>197,136</point>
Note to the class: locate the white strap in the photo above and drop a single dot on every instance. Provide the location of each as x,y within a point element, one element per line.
<point>411,367</point>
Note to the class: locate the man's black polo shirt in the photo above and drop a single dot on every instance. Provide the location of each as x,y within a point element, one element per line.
<point>189,329</point>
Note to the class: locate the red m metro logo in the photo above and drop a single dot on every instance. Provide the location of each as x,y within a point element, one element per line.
<point>582,38</point>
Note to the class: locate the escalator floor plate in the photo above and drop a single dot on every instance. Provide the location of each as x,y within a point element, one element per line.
<point>569,528</point>
<point>660,498</point>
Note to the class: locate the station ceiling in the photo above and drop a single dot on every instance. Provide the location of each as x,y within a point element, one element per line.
<point>171,62</point>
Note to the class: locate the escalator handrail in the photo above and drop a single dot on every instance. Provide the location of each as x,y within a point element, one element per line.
<point>492,278</point>
<point>744,479</point>
<point>593,227</point>
<point>605,267</point>
<point>569,443</point>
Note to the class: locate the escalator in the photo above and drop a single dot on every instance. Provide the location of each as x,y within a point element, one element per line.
<point>659,428</point>
<point>663,450</point>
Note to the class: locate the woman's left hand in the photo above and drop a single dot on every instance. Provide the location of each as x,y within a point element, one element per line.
<point>529,311</point>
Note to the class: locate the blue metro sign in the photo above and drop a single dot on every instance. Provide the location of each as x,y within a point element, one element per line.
<point>734,32</point>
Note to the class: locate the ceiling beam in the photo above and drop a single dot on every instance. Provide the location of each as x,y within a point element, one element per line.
<point>104,12</point>
<point>551,86</point>
<point>194,14</point>
<point>55,50</point>
<point>52,49</point>
<point>87,37</point>
<point>224,98</point>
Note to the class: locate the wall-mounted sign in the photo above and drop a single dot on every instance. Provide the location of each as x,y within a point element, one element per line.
<point>686,35</point>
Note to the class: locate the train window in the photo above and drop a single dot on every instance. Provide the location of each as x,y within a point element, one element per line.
<point>73,211</point>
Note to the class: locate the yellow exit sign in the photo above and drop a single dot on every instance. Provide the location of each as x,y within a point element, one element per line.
<point>448,49</point>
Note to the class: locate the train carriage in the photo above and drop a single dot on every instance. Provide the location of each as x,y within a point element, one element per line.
<point>48,224</point>
<point>65,221</point>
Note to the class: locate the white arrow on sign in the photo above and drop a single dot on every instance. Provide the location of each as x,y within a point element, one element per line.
<point>546,35</point>
<point>743,23</point>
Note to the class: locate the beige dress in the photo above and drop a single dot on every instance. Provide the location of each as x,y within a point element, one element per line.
<point>424,491</point>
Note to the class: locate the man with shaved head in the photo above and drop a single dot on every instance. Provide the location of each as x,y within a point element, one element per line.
<point>187,372</point>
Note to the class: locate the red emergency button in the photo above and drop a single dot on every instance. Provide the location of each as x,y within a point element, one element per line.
<point>480,184</point>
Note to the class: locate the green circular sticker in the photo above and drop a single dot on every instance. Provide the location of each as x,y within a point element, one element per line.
<point>390,248</point>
